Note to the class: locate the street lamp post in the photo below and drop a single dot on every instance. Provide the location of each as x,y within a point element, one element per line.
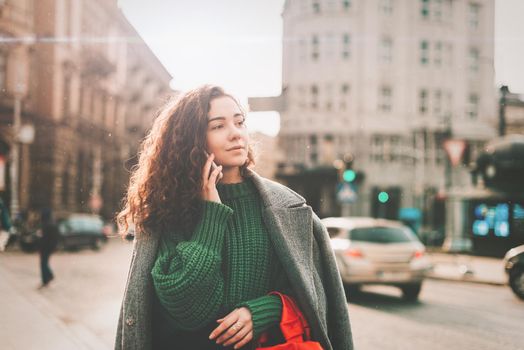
<point>504,90</point>
<point>15,152</point>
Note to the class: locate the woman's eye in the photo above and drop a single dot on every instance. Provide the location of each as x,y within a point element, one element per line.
<point>216,127</point>
<point>242,122</point>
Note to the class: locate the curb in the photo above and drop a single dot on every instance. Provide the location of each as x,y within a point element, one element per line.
<point>467,280</point>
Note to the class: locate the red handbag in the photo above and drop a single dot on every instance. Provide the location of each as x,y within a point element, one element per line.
<point>294,328</point>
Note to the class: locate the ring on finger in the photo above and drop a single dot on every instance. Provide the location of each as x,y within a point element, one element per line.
<point>237,326</point>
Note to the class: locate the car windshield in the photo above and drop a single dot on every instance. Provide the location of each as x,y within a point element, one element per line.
<point>382,235</point>
<point>85,224</point>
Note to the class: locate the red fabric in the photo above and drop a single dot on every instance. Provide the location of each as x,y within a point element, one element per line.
<point>294,328</point>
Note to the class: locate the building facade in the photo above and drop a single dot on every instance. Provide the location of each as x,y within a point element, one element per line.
<point>384,83</point>
<point>92,85</point>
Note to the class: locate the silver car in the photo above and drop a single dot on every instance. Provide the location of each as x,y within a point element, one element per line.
<point>378,251</point>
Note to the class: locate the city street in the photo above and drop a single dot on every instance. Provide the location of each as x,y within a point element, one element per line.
<point>85,298</point>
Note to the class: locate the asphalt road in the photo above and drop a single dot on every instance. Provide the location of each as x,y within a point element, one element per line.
<point>450,315</point>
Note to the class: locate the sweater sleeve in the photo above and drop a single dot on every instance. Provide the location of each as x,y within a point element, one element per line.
<point>266,311</point>
<point>187,276</point>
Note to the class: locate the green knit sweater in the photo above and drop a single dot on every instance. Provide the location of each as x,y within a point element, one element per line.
<point>229,262</point>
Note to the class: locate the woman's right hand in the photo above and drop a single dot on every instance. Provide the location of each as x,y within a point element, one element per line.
<point>209,180</point>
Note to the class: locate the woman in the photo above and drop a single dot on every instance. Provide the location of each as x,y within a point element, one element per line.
<point>212,242</point>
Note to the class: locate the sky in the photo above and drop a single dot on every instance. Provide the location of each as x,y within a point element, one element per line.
<point>238,44</point>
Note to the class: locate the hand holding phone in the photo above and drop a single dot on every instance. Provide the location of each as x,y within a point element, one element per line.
<point>211,178</point>
<point>213,164</point>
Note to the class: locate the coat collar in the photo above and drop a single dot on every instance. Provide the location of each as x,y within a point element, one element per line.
<point>274,194</point>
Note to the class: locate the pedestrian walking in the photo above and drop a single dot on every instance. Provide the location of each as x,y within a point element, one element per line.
<point>47,245</point>
<point>5,226</point>
<point>214,240</point>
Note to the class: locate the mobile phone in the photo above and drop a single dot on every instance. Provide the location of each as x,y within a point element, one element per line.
<point>213,164</point>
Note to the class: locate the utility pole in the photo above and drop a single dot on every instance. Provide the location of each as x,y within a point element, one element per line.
<point>15,154</point>
<point>504,90</point>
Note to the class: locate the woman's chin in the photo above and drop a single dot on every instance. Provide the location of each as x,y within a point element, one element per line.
<point>233,163</point>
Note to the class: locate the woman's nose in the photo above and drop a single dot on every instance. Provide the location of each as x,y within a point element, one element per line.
<point>235,132</point>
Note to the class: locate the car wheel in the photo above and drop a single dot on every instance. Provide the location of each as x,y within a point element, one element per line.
<point>516,282</point>
<point>95,244</point>
<point>351,290</point>
<point>410,292</point>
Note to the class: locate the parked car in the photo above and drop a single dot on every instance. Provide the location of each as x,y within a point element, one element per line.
<point>78,230</point>
<point>514,266</point>
<point>378,251</point>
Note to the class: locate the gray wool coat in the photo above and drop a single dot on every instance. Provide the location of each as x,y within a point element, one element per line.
<point>302,245</point>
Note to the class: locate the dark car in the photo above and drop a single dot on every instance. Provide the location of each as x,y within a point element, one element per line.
<point>514,266</point>
<point>79,230</point>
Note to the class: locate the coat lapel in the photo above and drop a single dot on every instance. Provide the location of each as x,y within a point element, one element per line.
<point>290,233</point>
<point>290,223</point>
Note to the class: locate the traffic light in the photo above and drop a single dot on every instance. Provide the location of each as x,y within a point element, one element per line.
<point>353,176</point>
<point>346,173</point>
<point>383,197</point>
<point>349,175</point>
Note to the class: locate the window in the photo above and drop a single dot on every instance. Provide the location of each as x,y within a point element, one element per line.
<point>473,60</point>
<point>424,9</point>
<point>314,48</point>
<point>329,46</point>
<point>104,101</point>
<point>437,58</point>
<point>385,99</point>
<point>81,99</point>
<point>65,186</point>
<point>66,95</point>
<point>316,6</point>
<point>335,231</point>
<point>424,52</point>
<point>382,235</point>
<point>301,97</point>
<point>314,96</point>
<point>3,70</point>
<point>449,106</point>
<point>346,41</point>
<point>302,50</point>
<point>386,48</point>
<point>474,15</point>
<point>91,107</point>
<point>386,7</point>
<point>395,149</point>
<point>329,97</point>
<point>423,101</point>
<point>344,92</point>
<point>449,55</point>
<point>437,103</point>
<point>437,10</point>
<point>473,106</point>
<point>377,148</point>
<point>331,5</point>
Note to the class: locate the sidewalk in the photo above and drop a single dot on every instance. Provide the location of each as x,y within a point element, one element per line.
<point>29,321</point>
<point>467,268</point>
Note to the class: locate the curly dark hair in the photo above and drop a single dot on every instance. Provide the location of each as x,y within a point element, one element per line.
<point>164,190</point>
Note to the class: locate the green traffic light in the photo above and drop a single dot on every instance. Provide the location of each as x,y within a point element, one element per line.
<point>349,175</point>
<point>383,197</point>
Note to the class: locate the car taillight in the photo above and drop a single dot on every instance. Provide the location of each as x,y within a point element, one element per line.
<point>354,253</point>
<point>418,254</point>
